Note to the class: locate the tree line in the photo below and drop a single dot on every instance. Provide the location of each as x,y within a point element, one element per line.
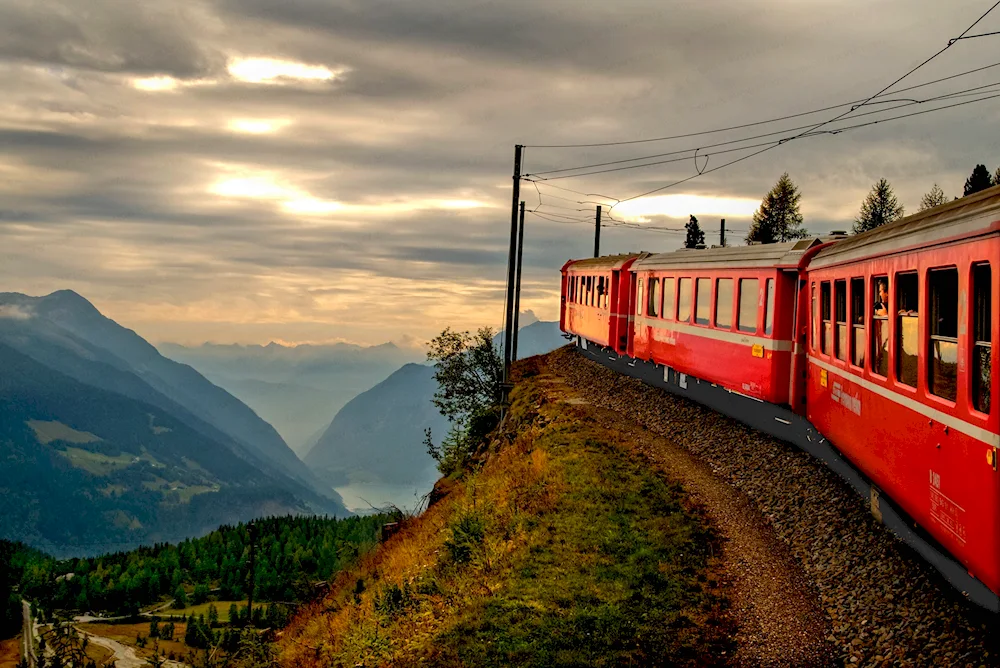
<point>291,554</point>
<point>778,218</point>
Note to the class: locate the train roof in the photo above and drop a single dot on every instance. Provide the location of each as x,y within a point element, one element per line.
<point>780,255</point>
<point>603,263</point>
<point>975,215</point>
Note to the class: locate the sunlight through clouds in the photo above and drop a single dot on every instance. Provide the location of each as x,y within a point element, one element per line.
<point>682,206</point>
<point>164,84</point>
<point>273,70</point>
<point>258,126</point>
<point>298,201</point>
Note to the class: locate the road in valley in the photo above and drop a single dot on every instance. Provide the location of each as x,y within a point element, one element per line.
<point>28,635</point>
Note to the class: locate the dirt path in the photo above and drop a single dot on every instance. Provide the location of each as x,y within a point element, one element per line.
<point>125,657</point>
<point>778,614</point>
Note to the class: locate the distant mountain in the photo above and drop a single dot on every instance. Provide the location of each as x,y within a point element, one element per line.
<point>296,388</point>
<point>87,470</point>
<point>538,338</point>
<point>378,436</point>
<point>66,333</point>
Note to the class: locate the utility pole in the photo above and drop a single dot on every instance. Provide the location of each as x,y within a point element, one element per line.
<point>722,233</point>
<point>597,233</point>
<point>251,573</point>
<point>517,285</point>
<point>509,316</point>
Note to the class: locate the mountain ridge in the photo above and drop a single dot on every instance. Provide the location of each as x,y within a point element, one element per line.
<point>66,318</point>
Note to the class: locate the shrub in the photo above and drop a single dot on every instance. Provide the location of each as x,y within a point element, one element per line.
<point>467,533</point>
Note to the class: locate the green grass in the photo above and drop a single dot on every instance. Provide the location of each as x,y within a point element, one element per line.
<point>48,431</point>
<point>202,609</point>
<point>96,463</point>
<point>610,576</point>
<point>564,549</point>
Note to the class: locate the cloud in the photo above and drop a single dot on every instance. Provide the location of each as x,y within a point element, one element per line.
<point>15,312</point>
<point>274,71</point>
<point>244,170</point>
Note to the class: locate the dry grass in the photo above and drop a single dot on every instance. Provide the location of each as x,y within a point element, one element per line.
<point>10,652</point>
<point>560,550</point>
<point>126,634</point>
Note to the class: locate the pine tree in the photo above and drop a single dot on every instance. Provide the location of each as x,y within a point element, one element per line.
<point>880,207</point>
<point>695,236</point>
<point>180,598</point>
<point>996,177</point>
<point>980,179</point>
<point>933,198</point>
<point>778,218</point>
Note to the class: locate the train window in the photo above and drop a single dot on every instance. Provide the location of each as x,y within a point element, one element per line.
<point>907,315</point>
<point>724,303</point>
<point>942,285</point>
<point>684,300</point>
<point>880,325</point>
<point>826,327</point>
<point>703,301</point>
<point>586,290</point>
<point>590,291</point>
<point>815,317</point>
<point>982,348</point>
<point>638,299</point>
<point>749,301</point>
<point>858,340</point>
<point>652,306</point>
<point>607,291</point>
<point>840,319</point>
<point>669,298</point>
<point>769,307</point>
<point>602,291</point>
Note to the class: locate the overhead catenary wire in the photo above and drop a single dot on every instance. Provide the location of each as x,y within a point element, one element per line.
<point>764,122</point>
<point>541,176</point>
<point>771,144</point>
<point>810,130</point>
<point>834,119</point>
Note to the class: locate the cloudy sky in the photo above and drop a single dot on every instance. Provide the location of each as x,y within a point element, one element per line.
<point>319,170</point>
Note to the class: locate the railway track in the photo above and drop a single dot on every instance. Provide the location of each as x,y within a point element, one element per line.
<point>884,606</point>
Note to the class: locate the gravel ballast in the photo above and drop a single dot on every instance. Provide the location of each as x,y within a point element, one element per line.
<point>883,606</point>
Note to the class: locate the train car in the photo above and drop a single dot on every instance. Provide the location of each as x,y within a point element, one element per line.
<point>873,353</point>
<point>725,315</point>
<point>596,300</point>
<point>901,375</point>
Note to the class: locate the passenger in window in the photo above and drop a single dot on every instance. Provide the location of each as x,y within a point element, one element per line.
<point>882,299</point>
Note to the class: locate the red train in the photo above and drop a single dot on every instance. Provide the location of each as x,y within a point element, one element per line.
<point>879,344</point>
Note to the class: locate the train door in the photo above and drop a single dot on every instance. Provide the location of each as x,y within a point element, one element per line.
<point>614,310</point>
<point>802,325</point>
<point>629,315</point>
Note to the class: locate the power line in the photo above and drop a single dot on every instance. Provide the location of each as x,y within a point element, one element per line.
<point>835,118</point>
<point>985,34</point>
<point>540,176</point>
<point>555,220</point>
<point>772,144</point>
<point>771,120</point>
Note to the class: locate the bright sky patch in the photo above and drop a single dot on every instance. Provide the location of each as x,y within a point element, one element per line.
<point>682,206</point>
<point>258,126</point>
<point>272,70</point>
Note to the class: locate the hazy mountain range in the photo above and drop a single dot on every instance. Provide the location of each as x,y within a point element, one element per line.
<point>377,437</point>
<point>106,443</point>
<point>297,389</point>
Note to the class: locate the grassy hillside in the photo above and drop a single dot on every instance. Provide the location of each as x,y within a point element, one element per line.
<point>560,550</point>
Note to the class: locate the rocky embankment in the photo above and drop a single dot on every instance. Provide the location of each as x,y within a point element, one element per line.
<point>883,607</point>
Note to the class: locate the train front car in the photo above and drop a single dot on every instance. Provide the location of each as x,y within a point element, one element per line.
<point>596,300</point>
<point>901,374</point>
<point>722,315</point>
